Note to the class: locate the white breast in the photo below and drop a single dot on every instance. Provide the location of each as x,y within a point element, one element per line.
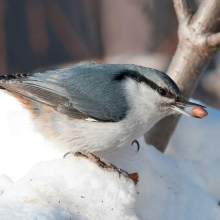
<point>91,136</point>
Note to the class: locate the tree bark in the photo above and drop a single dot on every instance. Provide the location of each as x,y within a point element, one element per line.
<point>198,43</point>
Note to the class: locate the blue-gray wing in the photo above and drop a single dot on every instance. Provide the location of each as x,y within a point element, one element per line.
<point>86,90</point>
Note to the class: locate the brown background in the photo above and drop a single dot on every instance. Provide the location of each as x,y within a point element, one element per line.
<point>41,33</point>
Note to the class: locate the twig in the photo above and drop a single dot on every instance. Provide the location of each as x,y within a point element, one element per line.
<point>213,40</point>
<point>206,17</point>
<point>182,10</point>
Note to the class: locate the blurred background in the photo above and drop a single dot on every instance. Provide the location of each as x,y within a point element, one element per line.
<point>44,34</point>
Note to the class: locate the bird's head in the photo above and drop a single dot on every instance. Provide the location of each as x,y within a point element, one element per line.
<point>153,93</point>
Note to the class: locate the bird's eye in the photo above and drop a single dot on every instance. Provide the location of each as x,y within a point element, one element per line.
<point>162,91</point>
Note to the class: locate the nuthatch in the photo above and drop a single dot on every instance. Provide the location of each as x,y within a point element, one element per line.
<point>92,107</point>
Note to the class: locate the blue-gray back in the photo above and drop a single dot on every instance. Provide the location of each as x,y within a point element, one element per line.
<point>86,89</point>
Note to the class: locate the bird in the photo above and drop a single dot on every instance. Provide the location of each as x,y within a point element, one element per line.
<point>91,107</point>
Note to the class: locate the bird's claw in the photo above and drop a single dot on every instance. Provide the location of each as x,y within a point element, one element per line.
<point>138,145</point>
<point>106,166</point>
<point>78,154</point>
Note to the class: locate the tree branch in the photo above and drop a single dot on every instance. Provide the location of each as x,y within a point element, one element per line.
<point>213,40</point>
<point>206,17</point>
<point>182,10</point>
<point>197,45</point>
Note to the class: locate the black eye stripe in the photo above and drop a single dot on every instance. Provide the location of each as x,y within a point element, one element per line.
<point>136,76</point>
<point>164,92</point>
<point>170,95</point>
<point>141,78</point>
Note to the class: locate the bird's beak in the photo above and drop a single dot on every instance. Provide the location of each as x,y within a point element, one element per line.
<point>179,107</point>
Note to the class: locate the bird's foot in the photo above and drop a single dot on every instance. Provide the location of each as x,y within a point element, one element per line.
<point>138,145</point>
<point>106,166</point>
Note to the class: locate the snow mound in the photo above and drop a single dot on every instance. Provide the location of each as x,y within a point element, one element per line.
<point>70,188</point>
<point>75,188</point>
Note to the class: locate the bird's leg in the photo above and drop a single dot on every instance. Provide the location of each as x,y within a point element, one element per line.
<point>138,145</point>
<point>96,160</point>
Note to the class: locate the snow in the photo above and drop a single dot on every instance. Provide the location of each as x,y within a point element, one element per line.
<point>182,184</point>
<point>57,190</point>
<point>20,143</point>
<point>195,144</point>
<point>5,182</point>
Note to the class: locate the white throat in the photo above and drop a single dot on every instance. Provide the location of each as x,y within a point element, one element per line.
<point>145,111</point>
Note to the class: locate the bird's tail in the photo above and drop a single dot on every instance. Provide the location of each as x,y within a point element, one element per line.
<point>5,78</point>
<point>1,78</point>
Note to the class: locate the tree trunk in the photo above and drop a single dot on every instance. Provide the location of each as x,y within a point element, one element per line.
<point>198,43</point>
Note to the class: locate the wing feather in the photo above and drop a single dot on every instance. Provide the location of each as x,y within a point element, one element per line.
<point>87,95</point>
